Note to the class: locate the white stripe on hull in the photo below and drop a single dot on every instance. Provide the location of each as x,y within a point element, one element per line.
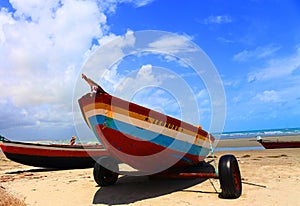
<point>149,126</point>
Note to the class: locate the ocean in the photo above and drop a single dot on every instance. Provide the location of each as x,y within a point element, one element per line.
<point>224,135</point>
<point>262,133</point>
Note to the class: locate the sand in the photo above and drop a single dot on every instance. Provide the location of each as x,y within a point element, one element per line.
<point>270,177</point>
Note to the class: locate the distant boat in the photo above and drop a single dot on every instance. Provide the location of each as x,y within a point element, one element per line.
<point>56,156</point>
<point>268,144</point>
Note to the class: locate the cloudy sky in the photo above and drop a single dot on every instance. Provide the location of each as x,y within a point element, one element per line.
<point>254,45</point>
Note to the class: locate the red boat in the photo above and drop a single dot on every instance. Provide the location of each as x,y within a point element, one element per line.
<point>149,141</point>
<point>58,156</point>
<point>267,144</point>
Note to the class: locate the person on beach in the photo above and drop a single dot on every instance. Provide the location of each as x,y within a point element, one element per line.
<point>72,141</point>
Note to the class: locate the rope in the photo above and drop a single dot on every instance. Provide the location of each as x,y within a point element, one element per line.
<point>213,155</point>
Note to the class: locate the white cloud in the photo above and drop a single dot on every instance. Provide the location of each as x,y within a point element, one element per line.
<point>43,44</point>
<point>144,87</point>
<point>9,114</point>
<point>109,6</point>
<point>202,94</point>
<point>34,9</point>
<point>5,19</point>
<point>220,19</point>
<point>277,68</point>
<point>136,81</point>
<point>141,3</point>
<point>169,58</point>
<point>232,82</point>
<point>268,96</point>
<point>172,44</point>
<point>225,40</point>
<point>46,46</point>
<point>159,89</point>
<point>258,53</point>
<point>158,100</point>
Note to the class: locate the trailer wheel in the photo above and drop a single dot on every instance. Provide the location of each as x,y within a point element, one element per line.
<point>104,176</point>
<point>230,177</point>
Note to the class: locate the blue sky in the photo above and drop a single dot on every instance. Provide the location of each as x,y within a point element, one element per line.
<point>254,45</point>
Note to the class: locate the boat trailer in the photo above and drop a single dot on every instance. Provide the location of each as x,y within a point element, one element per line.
<point>228,173</point>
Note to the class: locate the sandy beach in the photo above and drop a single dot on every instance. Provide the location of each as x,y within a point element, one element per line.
<point>270,177</point>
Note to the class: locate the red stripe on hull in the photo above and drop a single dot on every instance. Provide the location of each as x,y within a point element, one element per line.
<point>18,149</point>
<point>142,155</point>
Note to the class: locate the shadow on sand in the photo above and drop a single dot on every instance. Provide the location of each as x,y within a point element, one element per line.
<point>34,170</point>
<point>130,189</point>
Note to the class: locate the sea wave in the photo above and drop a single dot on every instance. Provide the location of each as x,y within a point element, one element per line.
<point>263,133</point>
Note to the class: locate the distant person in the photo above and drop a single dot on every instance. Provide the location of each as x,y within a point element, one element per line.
<point>72,141</point>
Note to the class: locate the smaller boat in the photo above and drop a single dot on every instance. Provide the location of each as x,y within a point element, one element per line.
<point>270,144</point>
<point>56,156</point>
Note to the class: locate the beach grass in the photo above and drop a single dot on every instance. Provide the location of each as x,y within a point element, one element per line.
<point>7,199</point>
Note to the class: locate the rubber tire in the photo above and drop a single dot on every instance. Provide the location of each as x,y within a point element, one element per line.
<point>104,176</point>
<point>230,177</point>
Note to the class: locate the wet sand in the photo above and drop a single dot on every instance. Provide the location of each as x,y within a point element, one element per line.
<point>270,177</point>
<point>251,141</point>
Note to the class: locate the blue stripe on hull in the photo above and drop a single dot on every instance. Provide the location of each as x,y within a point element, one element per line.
<point>150,136</point>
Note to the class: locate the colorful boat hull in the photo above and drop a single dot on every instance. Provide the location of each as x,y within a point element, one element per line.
<point>57,156</point>
<point>142,138</point>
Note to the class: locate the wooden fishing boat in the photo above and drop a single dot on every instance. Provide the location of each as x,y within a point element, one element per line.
<point>149,141</point>
<point>276,145</point>
<point>58,156</point>
<point>129,130</point>
<point>269,144</point>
